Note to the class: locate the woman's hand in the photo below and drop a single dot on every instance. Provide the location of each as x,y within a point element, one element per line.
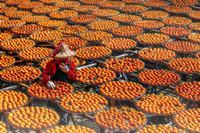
<point>64,68</point>
<point>51,85</point>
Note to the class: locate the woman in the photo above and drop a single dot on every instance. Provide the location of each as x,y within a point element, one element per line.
<point>61,68</point>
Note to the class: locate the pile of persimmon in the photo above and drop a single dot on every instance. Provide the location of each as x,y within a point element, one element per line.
<point>2,18</point>
<point>127,31</point>
<point>177,9</point>
<point>17,44</point>
<point>158,77</point>
<point>154,14</point>
<point>18,14</point>
<point>189,90</point>
<point>185,65</point>
<point>103,25</point>
<point>155,3</point>
<point>160,128</point>
<point>30,5</point>
<point>124,65</point>
<point>95,75</point>
<point>35,53</point>
<point>7,9</point>
<point>15,2</point>
<point>2,4</point>
<point>6,61</point>
<point>160,104</point>
<point>45,9</point>
<point>156,54</point>
<point>198,55</point>
<point>105,12</point>
<point>126,18</point>
<point>175,31</point>
<point>93,52</point>
<point>5,36</point>
<point>149,24</point>
<point>182,46</point>
<point>119,90</point>
<point>3,127</point>
<point>123,119</point>
<point>195,26</point>
<point>96,35</point>
<point>11,100</point>
<point>194,15</point>
<point>27,29</point>
<point>11,23</point>
<point>189,120</point>
<point>20,74</point>
<point>152,38</point>
<point>33,118</point>
<point>92,2</point>
<point>86,8</point>
<point>68,4</point>
<point>131,8</point>
<point>69,129</point>
<point>112,4</point>
<point>63,14</point>
<point>35,18</point>
<point>47,35</point>
<point>52,23</point>
<point>185,2</point>
<point>83,18</point>
<point>73,42</point>
<point>83,102</point>
<point>195,37</point>
<point>40,91</point>
<point>119,43</point>
<point>50,1</point>
<point>72,29</point>
<point>177,21</point>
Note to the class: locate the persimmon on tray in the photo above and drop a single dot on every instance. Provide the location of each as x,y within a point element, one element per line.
<point>194,37</point>
<point>3,17</point>
<point>185,65</point>
<point>96,35</point>
<point>35,18</point>
<point>124,65</point>
<point>45,9</point>
<point>52,23</point>
<point>27,29</point>
<point>195,26</point>
<point>72,29</point>
<point>127,31</point>
<point>33,117</point>
<point>91,2</point>
<point>112,4</point>
<point>73,42</point>
<point>86,8</point>
<point>175,31</point>
<point>161,105</point>
<point>189,120</point>
<point>63,14</point>
<point>131,8</point>
<point>20,74</point>
<point>189,90</point>
<point>154,14</point>
<point>18,14</point>
<point>119,90</point>
<point>11,100</point>
<point>69,129</point>
<point>121,119</point>
<point>68,4</point>
<point>6,61</point>
<point>7,9</point>
<point>93,52</point>
<point>153,3</point>
<point>15,2</point>
<point>83,102</point>
<point>184,3</point>
<point>177,9</point>
<point>11,23</point>
<point>152,38</point>
<point>149,24</point>
<point>160,128</point>
<point>177,21</point>
<point>17,44</point>
<point>50,1</point>
<point>94,75</point>
<point>105,12</point>
<point>182,46</point>
<point>40,91</point>
<point>30,5</point>
<point>194,15</point>
<point>3,127</point>
<point>83,18</point>
<point>5,36</point>
<point>126,18</point>
<point>158,77</point>
<point>47,35</point>
<point>156,54</point>
<point>35,53</point>
<point>119,43</point>
<point>103,25</point>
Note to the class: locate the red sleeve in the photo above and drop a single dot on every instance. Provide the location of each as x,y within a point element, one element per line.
<point>49,70</point>
<point>72,71</point>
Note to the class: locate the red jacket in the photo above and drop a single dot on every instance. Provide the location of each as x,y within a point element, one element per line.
<point>50,70</point>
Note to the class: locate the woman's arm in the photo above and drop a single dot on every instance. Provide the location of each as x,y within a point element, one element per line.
<point>71,74</point>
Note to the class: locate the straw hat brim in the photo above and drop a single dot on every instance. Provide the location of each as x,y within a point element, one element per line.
<point>62,55</point>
